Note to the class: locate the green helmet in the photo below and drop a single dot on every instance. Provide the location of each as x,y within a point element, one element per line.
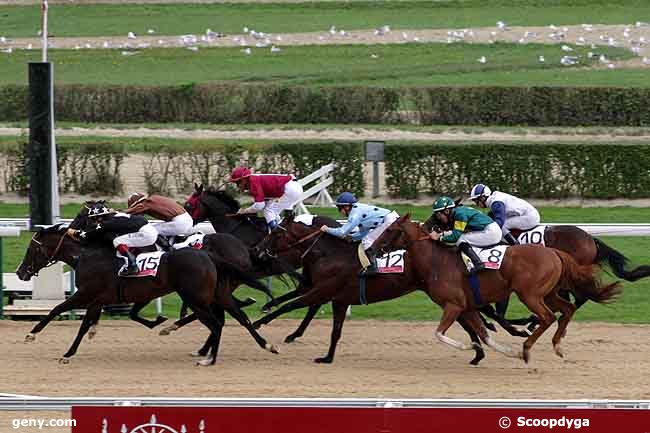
<point>443,203</point>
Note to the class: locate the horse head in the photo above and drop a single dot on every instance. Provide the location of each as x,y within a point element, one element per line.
<point>210,203</point>
<point>396,236</point>
<point>283,238</point>
<point>45,248</point>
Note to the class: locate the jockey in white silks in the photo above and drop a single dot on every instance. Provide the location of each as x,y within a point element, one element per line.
<point>508,211</point>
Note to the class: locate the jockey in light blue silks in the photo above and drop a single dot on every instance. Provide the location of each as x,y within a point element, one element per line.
<point>371,221</point>
<point>508,211</point>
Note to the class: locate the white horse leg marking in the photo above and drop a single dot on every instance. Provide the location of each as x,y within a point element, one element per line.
<point>30,337</point>
<point>507,351</point>
<point>92,332</point>
<point>453,343</point>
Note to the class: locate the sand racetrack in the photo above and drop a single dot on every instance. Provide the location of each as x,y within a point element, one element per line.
<point>375,359</point>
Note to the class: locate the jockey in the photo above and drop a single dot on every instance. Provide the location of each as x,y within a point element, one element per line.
<point>371,221</point>
<point>176,221</point>
<point>508,211</point>
<point>468,227</point>
<point>124,230</point>
<point>272,193</point>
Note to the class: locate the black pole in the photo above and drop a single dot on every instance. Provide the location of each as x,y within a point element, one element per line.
<point>39,150</point>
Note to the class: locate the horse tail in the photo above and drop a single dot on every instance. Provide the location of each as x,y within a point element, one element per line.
<point>617,262</point>
<point>236,272</point>
<point>583,281</point>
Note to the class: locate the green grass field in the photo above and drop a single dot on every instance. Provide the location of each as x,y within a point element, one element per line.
<point>177,19</point>
<point>396,65</point>
<point>633,307</point>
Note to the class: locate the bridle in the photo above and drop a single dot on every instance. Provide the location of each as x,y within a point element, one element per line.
<point>407,244</point>
<point>297,241</point>
<point>50,260</point>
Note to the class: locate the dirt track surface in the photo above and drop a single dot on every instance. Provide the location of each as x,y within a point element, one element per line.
<point>375,359</point>
<point>351,133</point>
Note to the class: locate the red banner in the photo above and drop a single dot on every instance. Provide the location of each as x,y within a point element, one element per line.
<point>355,420</point>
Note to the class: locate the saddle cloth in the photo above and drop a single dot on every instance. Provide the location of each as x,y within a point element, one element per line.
<point>533,236</point>
<point>390,263</point>
<point>148,264</point>
<point>492,257</point>
<point>192,241</point>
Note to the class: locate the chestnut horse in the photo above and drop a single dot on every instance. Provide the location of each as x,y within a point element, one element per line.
<point>534,273</point>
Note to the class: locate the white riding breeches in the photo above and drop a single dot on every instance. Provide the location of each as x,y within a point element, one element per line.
<point>292,195</point>
<point>521,222</point>
<point>374,234</point>
<point>144,237</point>
<point>179,225</point>
<point>491,235</point>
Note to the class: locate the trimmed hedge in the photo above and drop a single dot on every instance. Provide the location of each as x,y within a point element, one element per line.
<point>95,167</point>
<point>227,103</point>
<point>534,106</point>
<point>526,169</point>
<point>210,104</point>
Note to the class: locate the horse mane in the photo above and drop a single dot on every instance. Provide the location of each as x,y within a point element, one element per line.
<point>224,197</point>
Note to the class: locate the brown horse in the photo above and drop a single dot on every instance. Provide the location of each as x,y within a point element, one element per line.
<point>193,274</point>
<point>333,268</point>
<point>535,274</point>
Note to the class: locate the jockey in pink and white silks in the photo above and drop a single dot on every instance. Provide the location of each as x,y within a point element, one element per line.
<point>272,193</point>
<point>508,211</point>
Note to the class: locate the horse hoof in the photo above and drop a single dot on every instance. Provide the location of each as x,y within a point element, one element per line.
<point>290,339</point>
<point>271,348</point>
<point>525,355</point>
<point>30,338</point>
<point>168,330</point>
<point>323,360</point>
<point>558,350</point>
<point>204,363</point>
<point>92,332</point>
<point>266,310</point>
<point>491,327</point>
<point>257,325</point>
<point>161,319</point>
<point>195,354</point>
<point>64,360</point>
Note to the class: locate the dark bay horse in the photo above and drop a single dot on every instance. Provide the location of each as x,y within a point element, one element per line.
<point>219,207</point>
<point>534,273</point>
<point>191,273</point>
<point>333,267</point>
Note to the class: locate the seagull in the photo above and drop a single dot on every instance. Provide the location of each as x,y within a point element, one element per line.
<point>541,59</point>
<point>566,48</point>
<point>246,51</point>
<point>106,44</point>
<point>332,30</point>
<point>603,59</point>
<point>275,49</point>
<point>130,53</point>
<point>193,48</point>
<point>131,35</point>
<point>245,29</point>
<point>611,66</point>
<point>374,56</point>
<point>581,41</point>
<point>7,50</point>
<point>552,27</point>
<point>482,59</point>
<point>568,60</point>
<point>151,31</point>
<point>3,39</point>
<point>502,26</point>
<point>405,35</point>
<point>343,33</point>
<point>646,61</point>
<point>29,46</point>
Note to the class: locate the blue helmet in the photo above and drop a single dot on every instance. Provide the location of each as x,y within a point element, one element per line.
<point>345,198</point>
<point>479,190</point>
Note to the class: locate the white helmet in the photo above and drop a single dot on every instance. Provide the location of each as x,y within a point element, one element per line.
<point>479,190</point>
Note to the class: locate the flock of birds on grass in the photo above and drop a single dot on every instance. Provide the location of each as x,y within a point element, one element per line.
<point>251,38</point>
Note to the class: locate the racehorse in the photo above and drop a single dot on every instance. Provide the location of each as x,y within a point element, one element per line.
<point>584,248</point>
<point>333,267</point>
<point>191,273</point>
<point>535,274</point>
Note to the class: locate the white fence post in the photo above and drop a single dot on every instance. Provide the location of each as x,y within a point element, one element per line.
<point>323,198</point>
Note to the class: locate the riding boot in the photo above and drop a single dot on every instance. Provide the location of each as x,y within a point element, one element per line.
<point>476,261</point>
<point>372,267</point>
<point>510,239</point>
<point>132,266</point>
<point>163,242</point>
